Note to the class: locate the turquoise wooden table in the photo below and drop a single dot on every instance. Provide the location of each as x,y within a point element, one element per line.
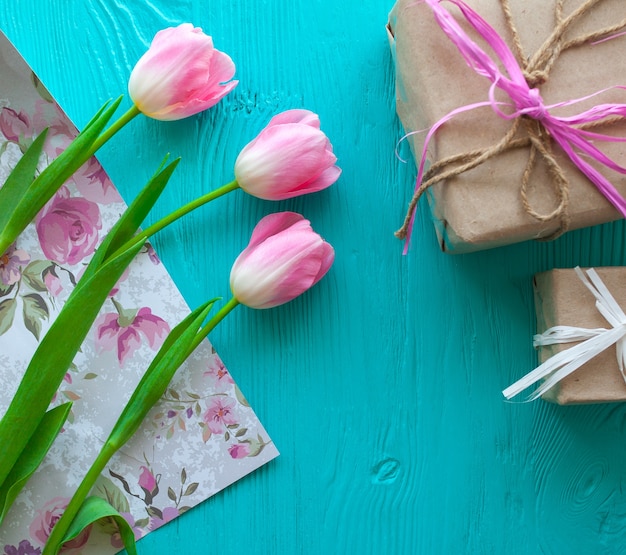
<point>381,387</point>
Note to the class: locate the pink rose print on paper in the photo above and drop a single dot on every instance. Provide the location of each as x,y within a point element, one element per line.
<point>154,258</point>
<point>53,284</point>
<point>148,483</point>
<point>220,414</point>
<point>68,227</point>
<point>59,281</point>
<point>23,548</point>
<point>60,131</point>
<point>49,115</point>
<point>47,517</point>
<point>122,331</point>
<point>94,184</point>
<point>239,450</point>
<point>219,377</point>
<point>11,263</point>
<point>166,515</point>
<point>14,125</point>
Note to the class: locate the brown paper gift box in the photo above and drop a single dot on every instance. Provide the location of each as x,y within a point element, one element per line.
<point>482,208</point>
<point>561,298</point>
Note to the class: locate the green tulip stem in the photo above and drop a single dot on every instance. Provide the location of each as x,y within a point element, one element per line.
<point>213,322</point>
<point>131,113</point>
<point>124,428</point>
<point>182,211</point>
<point>55,539</point>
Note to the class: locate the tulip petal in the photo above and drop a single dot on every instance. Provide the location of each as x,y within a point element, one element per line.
<point>221,70</point>
<point>303,117</point>
<point>272,225</point>
<point>300,275</point>
<point>323,181</point>
<point>327,257</point>
<point>195,106</point>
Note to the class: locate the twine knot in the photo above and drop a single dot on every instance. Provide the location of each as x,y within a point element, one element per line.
<point>535,78</point>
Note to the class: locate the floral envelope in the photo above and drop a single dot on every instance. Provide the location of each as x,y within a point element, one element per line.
<point>201,437</point>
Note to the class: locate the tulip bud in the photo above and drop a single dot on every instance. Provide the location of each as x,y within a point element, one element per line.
<point>285,257</point>
<point>290,157</point>
<point>181,74</point>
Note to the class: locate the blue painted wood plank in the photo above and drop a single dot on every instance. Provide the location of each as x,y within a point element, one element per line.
<point>381,387</point>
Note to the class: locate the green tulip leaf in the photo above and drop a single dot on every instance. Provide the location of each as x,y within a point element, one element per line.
<point>53,357</point>
<point>31,457</point>
<point>151,387</point>
<point>49,180</point>
<point>94,509</point>
<point>60,344</point>
<point>19,180</point>
<point>133,216</point>
<point>154,382</point>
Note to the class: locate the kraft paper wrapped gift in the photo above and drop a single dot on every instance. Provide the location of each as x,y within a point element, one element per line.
<point>561,298</point>
<point>482,207</point>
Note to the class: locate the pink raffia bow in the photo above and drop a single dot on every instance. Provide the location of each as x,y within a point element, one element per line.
<point>574,141</point>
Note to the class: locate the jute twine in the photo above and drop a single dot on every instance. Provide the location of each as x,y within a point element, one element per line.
<point>536,70</point>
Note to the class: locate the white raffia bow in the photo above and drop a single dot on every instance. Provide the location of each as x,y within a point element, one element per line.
<point>594,342</point>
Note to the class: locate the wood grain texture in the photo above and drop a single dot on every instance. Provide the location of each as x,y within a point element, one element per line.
<point>381,386</point>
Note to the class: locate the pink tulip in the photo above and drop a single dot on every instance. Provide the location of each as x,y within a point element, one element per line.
<point>285,257</point>
<point>181,74</point>
<point>290,157</point>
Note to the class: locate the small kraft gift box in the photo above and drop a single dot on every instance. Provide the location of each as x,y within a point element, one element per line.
<point>581,336</point>
<point>515,109</point>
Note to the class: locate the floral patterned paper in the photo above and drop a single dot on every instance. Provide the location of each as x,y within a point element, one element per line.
<point>201,437</point>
